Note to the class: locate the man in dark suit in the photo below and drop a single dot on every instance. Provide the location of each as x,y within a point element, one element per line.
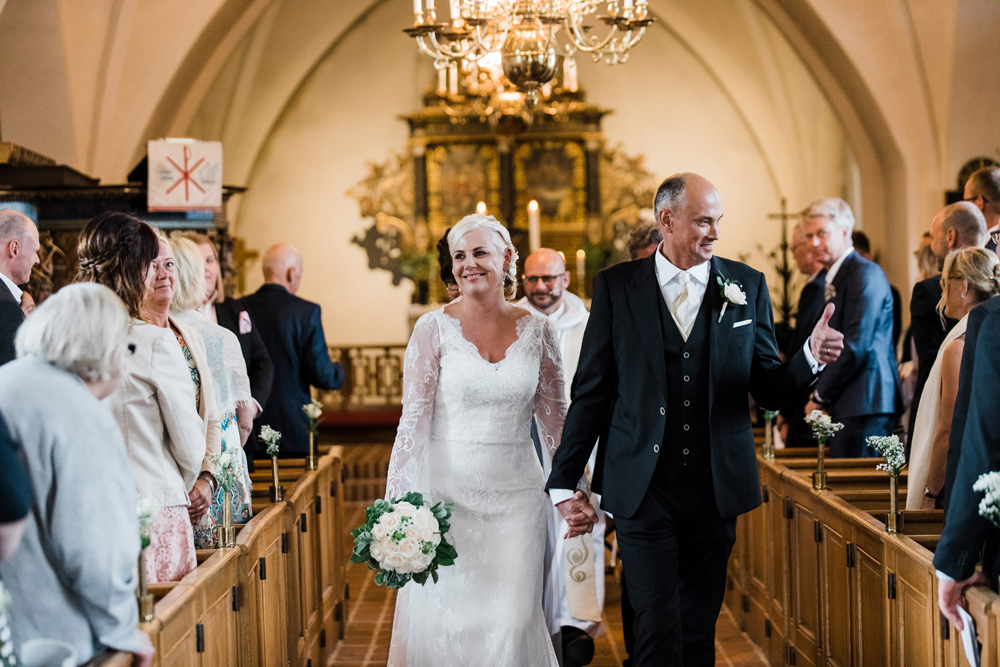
<point>960,225</point>
<point>292,329</point>
<point>667,360</point>
<point>863,246</point>
<point>795,432</point>
<point>973,449</point>
<point>861,389</point>
<point>983,190</point>
<point>18,253</point>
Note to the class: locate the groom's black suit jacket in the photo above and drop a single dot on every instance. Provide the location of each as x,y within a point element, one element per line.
<point>619,392</point>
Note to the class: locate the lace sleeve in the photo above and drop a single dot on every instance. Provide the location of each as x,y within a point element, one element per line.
<point>550,397</point>
<point>421,365</point>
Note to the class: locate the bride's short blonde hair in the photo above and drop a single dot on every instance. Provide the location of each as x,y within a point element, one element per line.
<point>502,242</point>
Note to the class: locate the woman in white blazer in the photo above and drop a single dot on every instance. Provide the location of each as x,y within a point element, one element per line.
<point>164,405</point>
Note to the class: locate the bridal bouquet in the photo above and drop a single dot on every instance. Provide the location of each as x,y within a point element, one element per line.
<point>404,539</point>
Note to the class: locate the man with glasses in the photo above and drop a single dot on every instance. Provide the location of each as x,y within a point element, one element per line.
<point>983,190</point>
<point>959,225</point>
<point>579,604</point>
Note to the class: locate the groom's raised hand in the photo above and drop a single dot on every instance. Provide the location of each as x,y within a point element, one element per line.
<point>826,343</point>
<point>579,514</point>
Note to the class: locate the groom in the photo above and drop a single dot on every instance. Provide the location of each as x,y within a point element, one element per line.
<point>674,344</point>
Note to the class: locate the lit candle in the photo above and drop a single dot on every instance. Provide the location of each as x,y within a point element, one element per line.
<point>581,271</point>
<point>481,208</point>
<point>534,226</point>
<point>442,82</point>
<point>453,80</point>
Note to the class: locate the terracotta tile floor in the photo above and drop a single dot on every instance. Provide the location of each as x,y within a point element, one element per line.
<point>370,626</point>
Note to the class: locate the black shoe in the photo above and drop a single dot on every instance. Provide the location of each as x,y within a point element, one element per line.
<point>578,647</point>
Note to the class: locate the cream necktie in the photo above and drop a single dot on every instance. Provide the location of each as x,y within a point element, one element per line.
<point>685,308</point>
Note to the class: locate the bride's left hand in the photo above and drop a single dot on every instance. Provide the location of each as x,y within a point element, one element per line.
<point>579,514</point>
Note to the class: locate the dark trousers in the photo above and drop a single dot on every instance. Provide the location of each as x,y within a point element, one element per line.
<point>675,549</point>
<point>850,441</point>
<point>628,622</point>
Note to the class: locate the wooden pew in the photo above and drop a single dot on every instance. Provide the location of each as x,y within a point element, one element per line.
<point>815,579</point>
<point>277,598</point>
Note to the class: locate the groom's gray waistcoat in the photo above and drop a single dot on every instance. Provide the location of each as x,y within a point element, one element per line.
<point>686,433</point>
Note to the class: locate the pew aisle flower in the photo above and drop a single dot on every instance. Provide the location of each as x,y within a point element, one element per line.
<point>404,539</point>
<point>891,449</point>
<point>823,429</point>
<point>989,506</point>
<point>225,475</point>
<point>769,428</point>
<point>7,657</point>
<point>271,439</point>
<point>145,513</point>
<point>313,412</point>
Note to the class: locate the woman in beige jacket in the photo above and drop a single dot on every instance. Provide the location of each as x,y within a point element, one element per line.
<point>164,405</point>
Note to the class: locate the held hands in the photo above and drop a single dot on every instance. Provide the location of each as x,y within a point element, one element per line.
<point>826,343</point>
<point>579,514</point>
<point>950,595</point>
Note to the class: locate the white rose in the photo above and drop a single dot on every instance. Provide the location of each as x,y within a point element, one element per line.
<point>392,562</point>
<point>408,547</point>
<point>734,294</point>
<point>412,532</point>
<point>426,534</point>
<point>376,551</point>
<point>389,521</point>
<point>405,509</point>
<point>378,532</point>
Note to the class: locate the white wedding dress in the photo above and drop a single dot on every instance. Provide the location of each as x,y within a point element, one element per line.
<point>465,437</point>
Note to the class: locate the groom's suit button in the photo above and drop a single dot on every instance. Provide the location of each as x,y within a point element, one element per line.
<point>663,411</point>
<point>687,404</point>
<point>687,355</point>
<point>687,378</point>
<point>656,448</point>
<point>686,452</point>
<point>687,427</point>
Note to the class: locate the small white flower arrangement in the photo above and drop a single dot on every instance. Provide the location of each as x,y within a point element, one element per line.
<point>732,293</point>
<point>145,512</point>
<point>7,657</point>
<point>225,472</point>
<point>270,438</point>
<point>313,412</point>
<point>404,539</point>
<point>822,426</point>
<point>989,506</point>
<point>891,449</point>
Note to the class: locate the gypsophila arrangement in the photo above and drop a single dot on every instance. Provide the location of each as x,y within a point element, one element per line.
<point>7,657</point>
<point>989,506</point>
<point>891,449</point>
<point>822,426</point>
<point>225,473</point>
<point>404,539</point>
<point>270,438</point>
<point>145,512</point>
<point>313,412</point>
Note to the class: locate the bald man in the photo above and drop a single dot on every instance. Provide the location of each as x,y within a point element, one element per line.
<point>18,253</point>
<point>959,225</point>
<point>292,329</point>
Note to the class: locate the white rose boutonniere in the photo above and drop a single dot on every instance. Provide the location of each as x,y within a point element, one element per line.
<point>732,293</point>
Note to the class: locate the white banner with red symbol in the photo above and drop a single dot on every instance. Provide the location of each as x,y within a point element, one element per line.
<point>184,175</point>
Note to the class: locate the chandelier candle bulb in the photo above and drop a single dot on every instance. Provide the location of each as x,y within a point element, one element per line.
<point>534,226</point>
<point>481,208</point>
<point>453,80</point>
<point>442,86</point>
<point>417,9</point>
<point>581,270</point>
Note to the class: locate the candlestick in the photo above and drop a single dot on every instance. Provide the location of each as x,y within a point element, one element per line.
<point>417,7</point>
<point>454,9</point>
<point>453,80</point>
<point>442,86</point>
<point>581,271</point>
<point>534,226</point>
<point>430,4</point>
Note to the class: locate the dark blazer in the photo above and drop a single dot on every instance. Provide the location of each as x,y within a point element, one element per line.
<point>292,330</point>
<point>864,380</point>
<point>810,307</point>
<point>928,333</point>
<point>260,368</point>
<point>11,317</point>
<point>619,392</point>
<point>15,482</point>
<point>973,449</point>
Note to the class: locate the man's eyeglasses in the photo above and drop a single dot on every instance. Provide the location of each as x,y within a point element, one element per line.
<point>533,280</point>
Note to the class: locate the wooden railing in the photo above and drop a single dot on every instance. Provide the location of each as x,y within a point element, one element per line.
<point>373,377</point>
<point>815,579</point>
<point>279,597</point>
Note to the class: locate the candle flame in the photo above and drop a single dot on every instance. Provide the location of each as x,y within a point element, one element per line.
<point>481,208</point>
<point>580,254</point>
<point>532,205</point>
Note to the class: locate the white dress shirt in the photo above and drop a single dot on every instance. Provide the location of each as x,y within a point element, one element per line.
<point>14,289</point>
<point>832,273</point>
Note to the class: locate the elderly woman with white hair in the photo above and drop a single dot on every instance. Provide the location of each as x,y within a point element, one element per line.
<point>474,373</point>
<point>232,386</point>
<point>73,577</point>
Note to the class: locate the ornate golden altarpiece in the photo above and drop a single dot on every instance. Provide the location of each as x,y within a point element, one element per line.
<point>589,196</point>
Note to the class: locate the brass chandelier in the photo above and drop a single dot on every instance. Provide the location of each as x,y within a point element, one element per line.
<point>529,35</point>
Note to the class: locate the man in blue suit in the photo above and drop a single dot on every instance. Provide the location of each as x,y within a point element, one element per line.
<point>292,330</point>
<point>861,389</point>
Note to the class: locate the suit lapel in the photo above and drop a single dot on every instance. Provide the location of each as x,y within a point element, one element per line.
<point>643,295</point>
<point>720,332</point>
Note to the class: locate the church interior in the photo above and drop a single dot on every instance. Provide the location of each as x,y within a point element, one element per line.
<point>337,131</point>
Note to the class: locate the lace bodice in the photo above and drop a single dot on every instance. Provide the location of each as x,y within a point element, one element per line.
<point>452,394</point>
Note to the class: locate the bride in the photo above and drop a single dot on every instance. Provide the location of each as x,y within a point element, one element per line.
<point>474,372</point>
